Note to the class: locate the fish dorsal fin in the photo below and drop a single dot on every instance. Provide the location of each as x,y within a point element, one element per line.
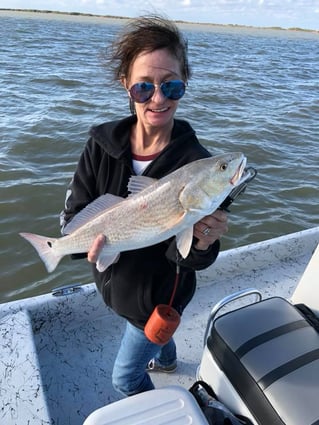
<point>91,211</point>
<point>184,241</point>
<point>138,183</point>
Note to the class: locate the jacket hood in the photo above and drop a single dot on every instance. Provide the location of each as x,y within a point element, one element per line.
<point>114,136</point>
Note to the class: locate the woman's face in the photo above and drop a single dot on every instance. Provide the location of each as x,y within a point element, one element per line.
<point>155,67</point>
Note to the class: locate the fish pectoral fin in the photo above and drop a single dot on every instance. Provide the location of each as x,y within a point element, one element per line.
<point>184,241</point>
<point>105,260</point>
<point>138,183</point>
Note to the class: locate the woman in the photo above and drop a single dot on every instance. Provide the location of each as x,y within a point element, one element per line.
<point>150,60</point>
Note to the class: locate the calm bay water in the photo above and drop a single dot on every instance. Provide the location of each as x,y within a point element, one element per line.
<point>252,90</point>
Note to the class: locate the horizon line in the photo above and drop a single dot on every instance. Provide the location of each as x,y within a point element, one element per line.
<point>46,11</point>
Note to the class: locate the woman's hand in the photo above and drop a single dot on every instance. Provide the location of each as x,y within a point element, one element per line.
<point>210,228</point>
<point>96,248</point>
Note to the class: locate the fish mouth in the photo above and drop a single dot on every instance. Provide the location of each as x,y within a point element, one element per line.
<point>237,177</point>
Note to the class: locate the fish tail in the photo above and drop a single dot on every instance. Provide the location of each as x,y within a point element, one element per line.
<point>44,247</point>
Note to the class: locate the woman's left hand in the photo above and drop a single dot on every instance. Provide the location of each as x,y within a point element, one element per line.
<point>210,228</point>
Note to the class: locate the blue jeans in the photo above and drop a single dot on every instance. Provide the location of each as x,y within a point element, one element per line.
<point>129,374</point>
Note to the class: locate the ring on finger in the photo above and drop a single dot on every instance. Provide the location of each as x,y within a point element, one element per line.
<point>206,231</point>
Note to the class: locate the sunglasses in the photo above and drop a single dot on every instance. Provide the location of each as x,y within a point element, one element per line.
<point>142,92</point>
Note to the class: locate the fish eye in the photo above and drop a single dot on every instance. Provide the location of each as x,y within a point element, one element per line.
<point>223,166</point>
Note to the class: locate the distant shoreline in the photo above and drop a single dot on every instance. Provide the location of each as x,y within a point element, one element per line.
<point>125,18</point>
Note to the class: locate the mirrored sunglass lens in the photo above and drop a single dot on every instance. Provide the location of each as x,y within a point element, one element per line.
<point>174,89</point>
<point>141,92</point>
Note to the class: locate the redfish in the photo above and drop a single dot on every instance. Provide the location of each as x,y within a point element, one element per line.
<point>155,211</point>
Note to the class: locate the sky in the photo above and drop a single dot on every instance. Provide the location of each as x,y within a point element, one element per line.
<point>265,13</point>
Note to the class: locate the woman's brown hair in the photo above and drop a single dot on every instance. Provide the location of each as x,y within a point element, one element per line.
<point>147,34</point>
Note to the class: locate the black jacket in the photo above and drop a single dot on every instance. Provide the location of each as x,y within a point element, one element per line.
<point>142,278</point>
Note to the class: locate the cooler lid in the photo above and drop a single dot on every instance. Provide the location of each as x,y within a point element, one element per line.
<point>172,405</point>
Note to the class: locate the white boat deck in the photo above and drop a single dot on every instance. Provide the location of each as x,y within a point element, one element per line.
<point>57,353</point>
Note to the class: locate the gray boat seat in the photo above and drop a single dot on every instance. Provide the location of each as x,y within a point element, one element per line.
<point>262,361</point>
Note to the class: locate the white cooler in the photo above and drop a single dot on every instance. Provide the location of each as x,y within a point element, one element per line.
<point>170,405</point>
